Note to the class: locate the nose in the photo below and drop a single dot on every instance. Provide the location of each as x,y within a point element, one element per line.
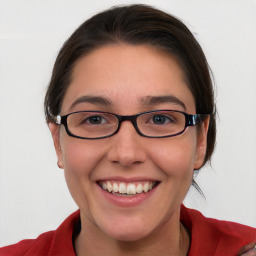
<point>127,146</point>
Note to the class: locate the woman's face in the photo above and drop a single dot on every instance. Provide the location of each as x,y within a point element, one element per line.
<point>125,79</point>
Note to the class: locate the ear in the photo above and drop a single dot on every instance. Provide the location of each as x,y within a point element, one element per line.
<point>201,143</point>
<point>55,131</point>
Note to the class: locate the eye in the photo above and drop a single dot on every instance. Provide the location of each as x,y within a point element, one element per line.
<point>160,119</point>
<point>95,120</point>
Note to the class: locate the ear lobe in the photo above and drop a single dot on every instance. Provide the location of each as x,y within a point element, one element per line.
<point>201,143</point>
<point>55,131</point>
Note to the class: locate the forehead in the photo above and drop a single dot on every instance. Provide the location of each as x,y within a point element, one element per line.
<point>126,75</point>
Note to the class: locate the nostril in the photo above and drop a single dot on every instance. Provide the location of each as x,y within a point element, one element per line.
<point>127,159</point>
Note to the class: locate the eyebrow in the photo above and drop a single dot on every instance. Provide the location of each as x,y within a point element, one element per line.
<point>155,100</point>
<point>91,99</point>
<point>148,100</point>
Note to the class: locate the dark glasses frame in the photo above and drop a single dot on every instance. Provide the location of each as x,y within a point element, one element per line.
<point>190,120</point>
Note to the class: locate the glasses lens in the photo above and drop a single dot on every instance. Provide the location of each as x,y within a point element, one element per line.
<point>92,124</point>
<point>161,123</point>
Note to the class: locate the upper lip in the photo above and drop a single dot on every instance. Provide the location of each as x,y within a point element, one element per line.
<point>126,179</point>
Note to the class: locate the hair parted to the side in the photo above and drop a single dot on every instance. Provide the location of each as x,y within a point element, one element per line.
<point>136,25</point>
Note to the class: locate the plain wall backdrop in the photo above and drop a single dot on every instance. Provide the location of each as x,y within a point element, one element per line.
<point>33,194</point>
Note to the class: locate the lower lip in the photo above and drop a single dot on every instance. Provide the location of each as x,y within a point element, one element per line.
<point>127,201</point>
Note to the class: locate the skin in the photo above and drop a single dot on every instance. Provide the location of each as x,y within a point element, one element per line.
<point>125,75</point>
<point>248,250</point>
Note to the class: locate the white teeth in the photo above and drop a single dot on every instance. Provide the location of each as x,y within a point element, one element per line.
<point>122,188</point>
<point>131,189</point>
<point>146,187</point>
<point>109,186</point>
<point>139,188</point>
<point>127,188</point>
<point>115,187</point>
<point>104,185</point>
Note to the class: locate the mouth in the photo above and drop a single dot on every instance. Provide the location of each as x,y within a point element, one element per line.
<point>121,188</point>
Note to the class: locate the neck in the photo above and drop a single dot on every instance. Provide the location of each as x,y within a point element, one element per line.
<point>168,240</point>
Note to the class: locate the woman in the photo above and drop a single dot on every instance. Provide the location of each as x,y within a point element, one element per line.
<point>130,107</point>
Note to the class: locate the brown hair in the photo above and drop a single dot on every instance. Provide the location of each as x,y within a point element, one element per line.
<point>136,25</point>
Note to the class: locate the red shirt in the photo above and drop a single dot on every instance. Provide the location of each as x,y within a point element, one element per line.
<point>209,237</point>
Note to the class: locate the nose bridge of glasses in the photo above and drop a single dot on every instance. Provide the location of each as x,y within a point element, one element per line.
<point>132,119</point>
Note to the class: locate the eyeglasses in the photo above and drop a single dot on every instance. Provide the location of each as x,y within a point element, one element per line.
<point>151,124</point>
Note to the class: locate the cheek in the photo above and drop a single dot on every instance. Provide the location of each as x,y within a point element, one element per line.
<point>80,159</point>
<point>80,156</point>
<point>175,156</point>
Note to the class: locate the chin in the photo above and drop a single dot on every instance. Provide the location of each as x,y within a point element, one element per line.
<point>128,236</point>
<point>129,231</point>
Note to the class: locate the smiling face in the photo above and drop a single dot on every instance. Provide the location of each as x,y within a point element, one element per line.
<point>127,80</point>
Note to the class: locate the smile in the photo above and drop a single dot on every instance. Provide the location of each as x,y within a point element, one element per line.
<point>127,188</point>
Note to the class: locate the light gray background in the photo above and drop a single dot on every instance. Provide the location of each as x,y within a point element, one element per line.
<point>33,194</point>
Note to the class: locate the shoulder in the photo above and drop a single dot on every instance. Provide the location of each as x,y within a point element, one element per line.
<point>215,237</point>
<point>58,242</point>
<point>26,247</point>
